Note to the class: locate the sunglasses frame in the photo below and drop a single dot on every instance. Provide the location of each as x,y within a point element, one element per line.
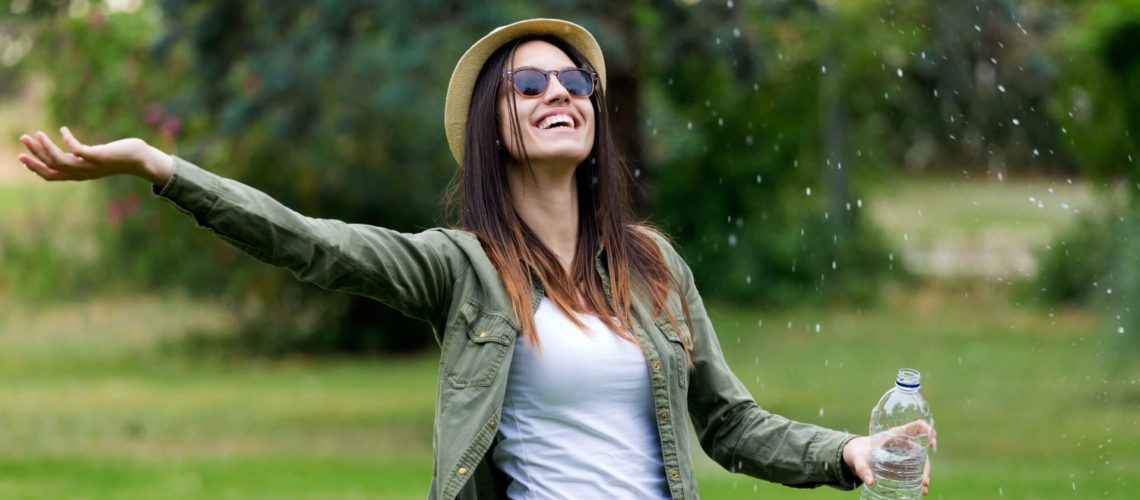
<point>508,75</point>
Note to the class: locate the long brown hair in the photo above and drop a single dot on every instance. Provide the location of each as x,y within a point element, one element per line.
<point>483,199</point>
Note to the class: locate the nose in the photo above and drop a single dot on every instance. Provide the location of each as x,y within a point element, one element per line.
<point>555,92</point>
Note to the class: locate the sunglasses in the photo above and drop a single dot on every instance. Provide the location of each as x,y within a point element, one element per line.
<point>531,82</point>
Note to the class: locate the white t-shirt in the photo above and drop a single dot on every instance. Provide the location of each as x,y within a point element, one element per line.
<point>578,418</point>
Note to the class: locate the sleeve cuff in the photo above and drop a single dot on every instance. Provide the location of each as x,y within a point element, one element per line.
<point>846,478</point>
<point>190,188</point>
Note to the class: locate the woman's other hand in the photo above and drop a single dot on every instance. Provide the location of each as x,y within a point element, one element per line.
<point>84,162</point>
<point>857,452</point>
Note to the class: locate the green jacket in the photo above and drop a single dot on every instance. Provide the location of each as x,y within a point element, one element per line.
<point>443,277</point>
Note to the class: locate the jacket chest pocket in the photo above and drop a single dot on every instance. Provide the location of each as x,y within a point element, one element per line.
<point>478,345</point>
<point>675,355</point>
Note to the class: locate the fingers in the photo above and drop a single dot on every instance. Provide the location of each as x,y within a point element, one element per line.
<point>39,168</point>
<point>57,156</point>
<point>863,470</point>
<point>926,477</point>
<point>77,148</point>
<point>35,148</point>
<point>856,455</point>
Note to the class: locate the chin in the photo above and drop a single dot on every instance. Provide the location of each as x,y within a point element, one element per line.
<point>558,155</point>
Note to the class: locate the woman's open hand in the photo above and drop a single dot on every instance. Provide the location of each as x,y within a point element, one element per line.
<point>83,162</point>
<point>857,452</point>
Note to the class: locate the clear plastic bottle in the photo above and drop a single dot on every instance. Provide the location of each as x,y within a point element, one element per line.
<point>898,443</point>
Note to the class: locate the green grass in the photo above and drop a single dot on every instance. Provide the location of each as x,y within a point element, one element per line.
<point>96,405</point>
<point>982,228</point>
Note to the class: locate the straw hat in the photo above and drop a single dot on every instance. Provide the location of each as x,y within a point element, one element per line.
<point>462,83</point>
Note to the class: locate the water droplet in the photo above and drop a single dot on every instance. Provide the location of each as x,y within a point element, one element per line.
<point>859,203</point>
<point>906,237</point>
<point>732,240</point>
<point>1001,88</point>
<point>1016,121</point>
<point>1109,291</point>
<point>1120,330</point>
<point>832,268</point>
<point>977,28</point>
<point>720,121</point>
<point>817,328</point>
<point>759,179</point>
<point>1000,177</point>
<point>900,73</point>
<point>1001,492</point>
<point>736,32</point>
<point>821,411</point>
<point>748,140</point>
<point>690,125</point>
<point>748,280</point>
<point>1036,153</point>
<point>823,69</point>
<point>808,191</point>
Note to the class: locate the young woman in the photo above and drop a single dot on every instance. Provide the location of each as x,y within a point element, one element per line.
<point>574,343</point>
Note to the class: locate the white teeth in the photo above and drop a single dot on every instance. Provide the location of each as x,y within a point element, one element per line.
<point>553,120</point>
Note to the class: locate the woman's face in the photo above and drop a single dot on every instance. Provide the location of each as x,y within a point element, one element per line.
<point>557,127</point>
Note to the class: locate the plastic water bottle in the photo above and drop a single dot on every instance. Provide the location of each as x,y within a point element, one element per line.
<point>899,441</point>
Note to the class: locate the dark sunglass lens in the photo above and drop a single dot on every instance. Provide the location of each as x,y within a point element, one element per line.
<point>577,82</point>
<point>530,82</point>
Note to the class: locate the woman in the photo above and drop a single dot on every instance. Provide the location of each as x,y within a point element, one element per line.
<point>616,349</point>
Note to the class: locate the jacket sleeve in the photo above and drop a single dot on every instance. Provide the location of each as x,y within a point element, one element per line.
<point>740,435</point>
<point>409,272</point>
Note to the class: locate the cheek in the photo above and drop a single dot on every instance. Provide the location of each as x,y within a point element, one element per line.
<point>592,120</point>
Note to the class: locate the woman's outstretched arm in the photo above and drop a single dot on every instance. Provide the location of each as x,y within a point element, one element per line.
<point>410,272</point>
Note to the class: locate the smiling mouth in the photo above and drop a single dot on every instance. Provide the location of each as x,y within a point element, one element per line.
<point>558,121</point>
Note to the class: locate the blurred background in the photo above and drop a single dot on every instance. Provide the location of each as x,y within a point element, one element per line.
<point>859,186</point>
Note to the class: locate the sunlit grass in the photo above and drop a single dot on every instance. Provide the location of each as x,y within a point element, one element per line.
<point>986,227</point>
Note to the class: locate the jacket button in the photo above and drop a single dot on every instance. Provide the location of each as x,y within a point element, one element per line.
<point>462,471</point>
<point>664,416</point>
<point>482,334</point>
<point>675,473</point>
<point>656,365</point>
<point>492,423</point>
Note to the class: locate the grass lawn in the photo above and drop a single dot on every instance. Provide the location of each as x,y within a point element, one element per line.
<point>96,406</point>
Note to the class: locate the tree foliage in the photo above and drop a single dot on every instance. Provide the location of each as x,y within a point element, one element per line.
<point>753,128</point>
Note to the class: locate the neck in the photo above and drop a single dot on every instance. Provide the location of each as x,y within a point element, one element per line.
<point>546,198</point>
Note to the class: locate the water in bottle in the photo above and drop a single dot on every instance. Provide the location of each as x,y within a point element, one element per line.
<point>900,426</point>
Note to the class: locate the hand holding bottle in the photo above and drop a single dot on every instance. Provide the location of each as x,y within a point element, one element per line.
<point>858,451</point>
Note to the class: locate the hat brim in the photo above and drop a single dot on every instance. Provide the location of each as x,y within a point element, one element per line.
<point>466,72</point>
